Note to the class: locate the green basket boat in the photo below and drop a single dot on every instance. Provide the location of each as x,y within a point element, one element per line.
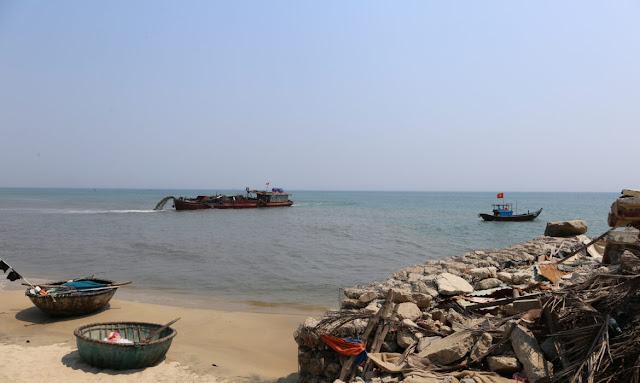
<point>94,350</point>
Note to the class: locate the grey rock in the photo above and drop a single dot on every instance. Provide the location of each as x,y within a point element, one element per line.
<point>526,347</point>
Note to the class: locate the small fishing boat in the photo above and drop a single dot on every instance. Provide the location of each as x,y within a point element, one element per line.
<point>123,345</point>
<point>504,212</point>
<point>277,197</point>
<point>75,297</point>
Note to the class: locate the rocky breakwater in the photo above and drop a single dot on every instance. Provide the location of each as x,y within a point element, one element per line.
<point>523,313</point>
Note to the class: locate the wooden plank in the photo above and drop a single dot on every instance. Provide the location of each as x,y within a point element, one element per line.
<point>348,367</point>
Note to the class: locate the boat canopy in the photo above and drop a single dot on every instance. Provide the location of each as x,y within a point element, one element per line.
<point>502,209</point>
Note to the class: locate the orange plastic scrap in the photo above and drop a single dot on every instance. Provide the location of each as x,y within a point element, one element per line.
<point>551,272</point>
<point>342,346</point>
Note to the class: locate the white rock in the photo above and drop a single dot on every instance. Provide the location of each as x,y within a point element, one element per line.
<point>449,284</point>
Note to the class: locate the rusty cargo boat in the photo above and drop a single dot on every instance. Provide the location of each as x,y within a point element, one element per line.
<point>252,199</point>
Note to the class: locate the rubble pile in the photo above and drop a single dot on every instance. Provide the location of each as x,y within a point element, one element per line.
<point>536,311</point>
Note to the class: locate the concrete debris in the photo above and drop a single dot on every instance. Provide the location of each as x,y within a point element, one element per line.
<point>449,284</point>
<point>440,325</point>
<point>449,349</point>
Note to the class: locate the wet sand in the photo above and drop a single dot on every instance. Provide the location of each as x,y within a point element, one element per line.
<point>211,345</point>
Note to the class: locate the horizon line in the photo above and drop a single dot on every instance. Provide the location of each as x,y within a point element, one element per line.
<point>310,190</point>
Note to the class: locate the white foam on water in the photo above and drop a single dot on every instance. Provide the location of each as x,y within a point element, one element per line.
<point>81,211</point>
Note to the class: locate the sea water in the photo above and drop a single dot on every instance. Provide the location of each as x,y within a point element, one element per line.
<point>300,255</point>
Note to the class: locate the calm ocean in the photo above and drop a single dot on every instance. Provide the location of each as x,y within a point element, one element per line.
<point>293,256</point>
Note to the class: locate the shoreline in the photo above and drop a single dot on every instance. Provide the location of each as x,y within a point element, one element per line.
<point>211,345</point>
<point>185,299</point>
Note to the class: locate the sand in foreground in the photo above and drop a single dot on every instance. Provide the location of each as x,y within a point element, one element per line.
<point>244,346</point>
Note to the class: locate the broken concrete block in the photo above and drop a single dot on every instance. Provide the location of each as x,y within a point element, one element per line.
<point>449,284</point>
<point>528,352</point>
<point>449,349</point>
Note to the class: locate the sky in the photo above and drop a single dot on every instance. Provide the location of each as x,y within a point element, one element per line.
<point>324,95</point>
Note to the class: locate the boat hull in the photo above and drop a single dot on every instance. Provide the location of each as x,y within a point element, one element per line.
<point>181,204</point>
<point>73,303</point>
<point>513,218</point>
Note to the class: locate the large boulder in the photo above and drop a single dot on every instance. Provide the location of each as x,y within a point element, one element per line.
<point>449,349</point>
<point>565,228</point>
<point>528,351</point>
<point>449,284</point>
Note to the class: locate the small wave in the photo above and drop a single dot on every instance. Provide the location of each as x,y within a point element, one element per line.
<point>90,211</point>
<point>81,211</point>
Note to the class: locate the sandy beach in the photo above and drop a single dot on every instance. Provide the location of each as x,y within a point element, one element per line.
<point>211,345</point>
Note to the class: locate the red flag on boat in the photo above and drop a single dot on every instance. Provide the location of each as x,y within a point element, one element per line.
<point>500,195</point>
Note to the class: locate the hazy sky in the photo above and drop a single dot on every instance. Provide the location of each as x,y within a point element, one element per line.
<point>356,95</point>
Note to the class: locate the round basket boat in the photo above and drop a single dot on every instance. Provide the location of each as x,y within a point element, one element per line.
<point>94,350</point>
<point>73,302</point>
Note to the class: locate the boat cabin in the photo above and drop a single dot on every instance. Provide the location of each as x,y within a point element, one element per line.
<point>275,197</point>
<point>502,210</point>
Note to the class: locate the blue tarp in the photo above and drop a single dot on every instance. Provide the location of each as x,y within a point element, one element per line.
<point>80,285</point>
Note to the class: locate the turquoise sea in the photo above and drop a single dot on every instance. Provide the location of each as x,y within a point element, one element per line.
<point>291,256</point>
